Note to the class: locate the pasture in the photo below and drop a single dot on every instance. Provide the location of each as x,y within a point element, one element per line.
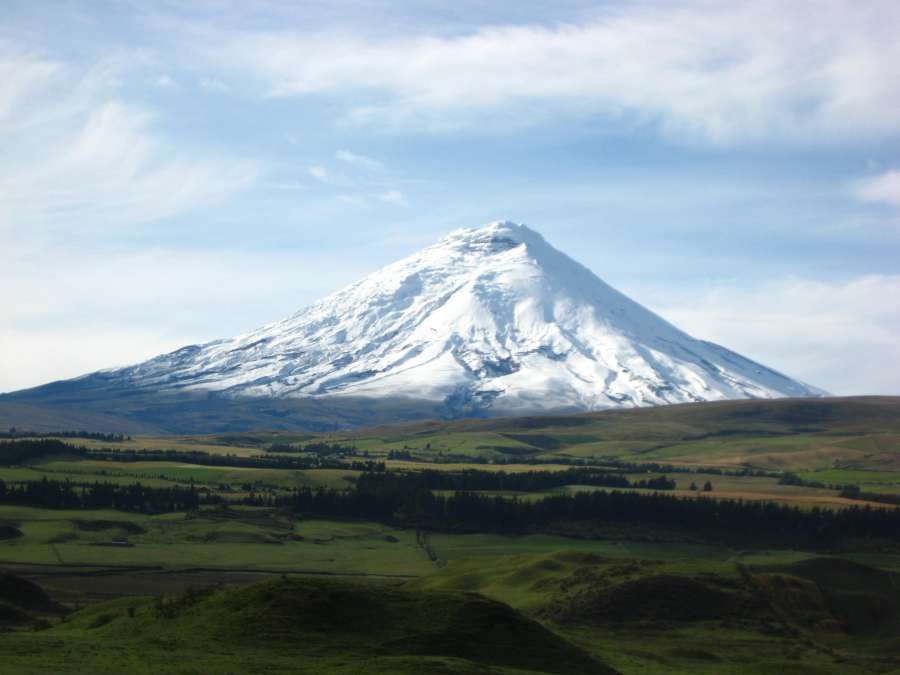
<point>639,597</point>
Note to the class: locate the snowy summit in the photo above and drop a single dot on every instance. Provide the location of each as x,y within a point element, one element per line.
<point>487,319</point>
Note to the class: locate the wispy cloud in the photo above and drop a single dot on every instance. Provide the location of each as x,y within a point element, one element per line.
<point>76,154</point>
<point>394,197</point>
<point>165,81</point>
<point>320,173</point>
<point>721,73</point>
<point>358,161</point>
<point>214,85</point>
<point>881,189</point>
<point>366,184</point>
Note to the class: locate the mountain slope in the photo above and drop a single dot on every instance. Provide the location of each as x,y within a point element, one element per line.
<point>489,319</point>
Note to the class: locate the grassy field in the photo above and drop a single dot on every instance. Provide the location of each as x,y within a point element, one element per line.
<point>359,596</point>
<point>300,626</point>
<point>795,434</point>
<point>781,434</point>
<point>826,448</point>
<point>234,480</point>
<point>239,538</point>
<point>835,441</point>
<point>181,473</point>
<point>164,473</point>
<point>654,612</point>
<point>641,606</point>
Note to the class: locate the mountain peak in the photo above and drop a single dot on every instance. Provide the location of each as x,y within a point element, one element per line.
<point>498,228</point>
<point>488,319</point>
<point>494,237</point>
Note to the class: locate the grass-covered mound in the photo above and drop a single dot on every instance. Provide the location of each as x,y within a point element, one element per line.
<point>819,615</point>
<point>306,625</point>
<point>653,598</point>
<point>838,595</point>
<point>25,594</point>
<point>578,588</point>
<point>23,603</point>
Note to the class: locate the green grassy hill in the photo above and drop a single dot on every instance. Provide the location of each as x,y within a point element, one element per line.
<point>805,434</point>
<point>702,615</point>
<point>638,597</point>
<point>23,603</point>
<point>299,626</point>
<point>828,443</point>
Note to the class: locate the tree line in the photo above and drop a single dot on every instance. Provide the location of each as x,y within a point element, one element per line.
<point>402,503</point>
<point>501,481</point>
<point>847,490</point>
<point>20,452</point>
<point>273,461</point>
<point>320,448</point>
<point>654,467</point>
<point>54,494</point>
<point>737,522</point>
<point>24,451</point>
<point>93,435</point>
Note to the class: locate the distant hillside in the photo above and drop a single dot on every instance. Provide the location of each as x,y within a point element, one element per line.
<point>782,434</point>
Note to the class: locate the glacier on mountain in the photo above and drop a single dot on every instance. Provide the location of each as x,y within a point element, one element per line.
<point>487,319</point>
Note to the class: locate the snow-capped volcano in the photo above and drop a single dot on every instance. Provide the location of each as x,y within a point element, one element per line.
<point>487,318</point>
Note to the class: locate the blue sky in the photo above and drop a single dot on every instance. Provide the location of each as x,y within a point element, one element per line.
<point>176,172</point>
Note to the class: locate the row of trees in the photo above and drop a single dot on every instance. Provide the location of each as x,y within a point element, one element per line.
<point>54,494</point>
<point>655,467</point>
<point>22,452</point>
<point>738,522</point>
<point>26,450</point>
<point>273,461</point>
<point>321,449</point>
<point>93,435</point>
<point>403,503</point>
<point>501,481</point>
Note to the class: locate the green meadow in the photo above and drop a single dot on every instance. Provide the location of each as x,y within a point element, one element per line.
<point>234,588</point>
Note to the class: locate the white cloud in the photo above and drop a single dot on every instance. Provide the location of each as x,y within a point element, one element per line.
<point>356,190</point>
<point>214,85</point>
<point>358,161</point>
<point>22,74</point>
<point>393,197</point>
<point>883,189</point>
<point>723,73</point>
<point>165,82</point>
<point>77,158</point>
<point>320,173</point>
<point>838,335</point>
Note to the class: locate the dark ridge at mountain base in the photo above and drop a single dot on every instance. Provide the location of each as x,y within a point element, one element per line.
<point>203,413</point>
